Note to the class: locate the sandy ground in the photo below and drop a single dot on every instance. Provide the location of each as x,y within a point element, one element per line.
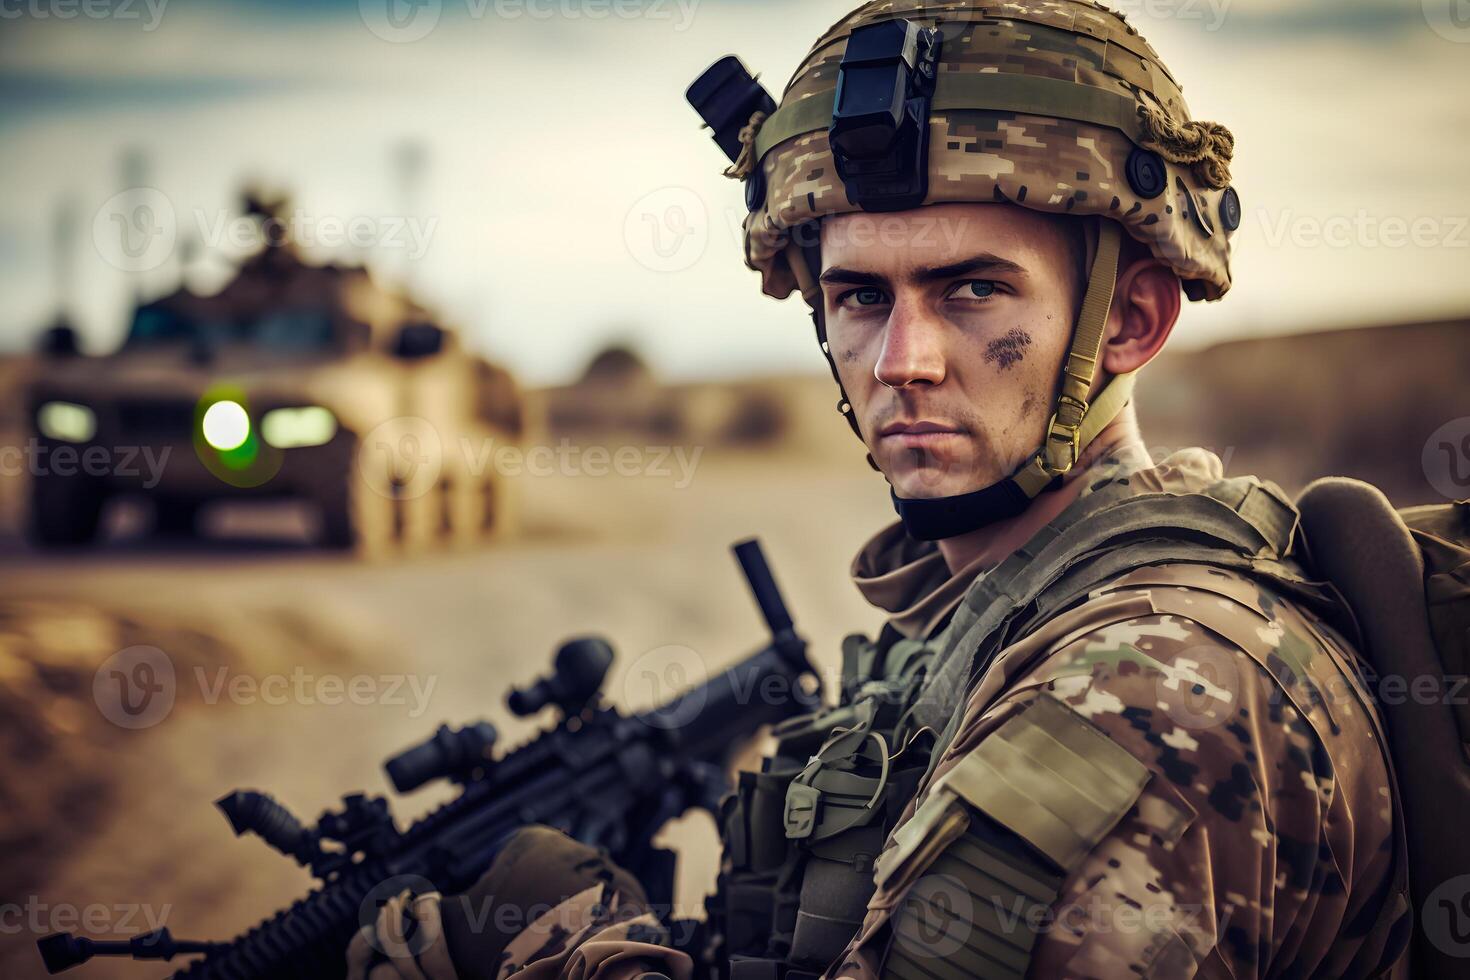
<point>637,560</point>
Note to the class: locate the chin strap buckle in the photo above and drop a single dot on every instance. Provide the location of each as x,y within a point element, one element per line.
<point>1064,436</point>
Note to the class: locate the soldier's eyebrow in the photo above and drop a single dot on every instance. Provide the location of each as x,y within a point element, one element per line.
<point>984,262</point>
<point>851,277</point>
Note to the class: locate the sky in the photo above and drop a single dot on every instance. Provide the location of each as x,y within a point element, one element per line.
<point>566,197</point>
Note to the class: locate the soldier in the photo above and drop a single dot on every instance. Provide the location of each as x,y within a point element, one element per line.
<point>1111,727</point>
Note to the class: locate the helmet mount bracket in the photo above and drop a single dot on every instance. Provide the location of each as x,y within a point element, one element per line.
<point>880,120</point>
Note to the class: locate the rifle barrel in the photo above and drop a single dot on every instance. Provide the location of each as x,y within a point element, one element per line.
<point>763,585</point>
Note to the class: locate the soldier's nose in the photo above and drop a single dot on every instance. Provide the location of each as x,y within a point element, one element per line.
<point>913,351</point>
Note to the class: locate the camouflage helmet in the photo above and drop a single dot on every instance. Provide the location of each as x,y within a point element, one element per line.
<point>1055,105</point>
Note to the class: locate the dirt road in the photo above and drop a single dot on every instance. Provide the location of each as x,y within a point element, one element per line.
<point>637,560</point>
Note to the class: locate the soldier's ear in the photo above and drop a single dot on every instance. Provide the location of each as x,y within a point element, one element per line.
<point>1145,308</point>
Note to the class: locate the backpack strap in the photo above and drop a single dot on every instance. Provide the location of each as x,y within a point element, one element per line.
<point>1362,544</point>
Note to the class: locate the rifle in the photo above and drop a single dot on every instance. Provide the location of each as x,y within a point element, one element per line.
<point>607,779</point>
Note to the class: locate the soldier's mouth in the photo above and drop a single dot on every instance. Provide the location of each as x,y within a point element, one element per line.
<point>918,435</point>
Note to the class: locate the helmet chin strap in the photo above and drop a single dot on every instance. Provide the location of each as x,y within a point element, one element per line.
<point>1074,423</point>
<point>930,519</point>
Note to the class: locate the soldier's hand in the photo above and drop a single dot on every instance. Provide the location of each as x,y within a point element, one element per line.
<point>546,901</point>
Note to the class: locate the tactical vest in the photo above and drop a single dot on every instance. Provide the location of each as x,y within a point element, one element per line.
<point>802,835</point>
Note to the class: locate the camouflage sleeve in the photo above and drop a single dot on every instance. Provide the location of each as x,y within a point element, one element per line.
<point>1230,816</point>
<point>549,908</point>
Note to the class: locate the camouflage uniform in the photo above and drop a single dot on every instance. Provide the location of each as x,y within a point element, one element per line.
<point>1234,816</point>
<point>1262,838</point>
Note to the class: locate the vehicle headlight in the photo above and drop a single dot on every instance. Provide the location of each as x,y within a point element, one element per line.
<point>66,422</point>
<point>226,425</point>
<point>295,428</point>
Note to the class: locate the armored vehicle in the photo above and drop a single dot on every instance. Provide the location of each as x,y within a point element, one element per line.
<point>294,380</point>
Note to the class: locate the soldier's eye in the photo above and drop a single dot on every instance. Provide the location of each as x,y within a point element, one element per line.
<point>974,289</point>
<point>865,296</point>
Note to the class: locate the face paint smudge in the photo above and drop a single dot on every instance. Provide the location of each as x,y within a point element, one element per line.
<point>1007,351</point>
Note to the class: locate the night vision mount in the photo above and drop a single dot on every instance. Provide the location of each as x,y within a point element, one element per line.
<point>879,131</point>
<point>880,118</point>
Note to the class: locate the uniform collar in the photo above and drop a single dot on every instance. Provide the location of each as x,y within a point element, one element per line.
<point>909,580</point>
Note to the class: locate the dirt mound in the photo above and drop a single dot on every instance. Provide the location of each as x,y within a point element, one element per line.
<point>65,724</point>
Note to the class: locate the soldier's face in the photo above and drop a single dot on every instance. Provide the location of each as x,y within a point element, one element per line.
<point>949,325</point>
